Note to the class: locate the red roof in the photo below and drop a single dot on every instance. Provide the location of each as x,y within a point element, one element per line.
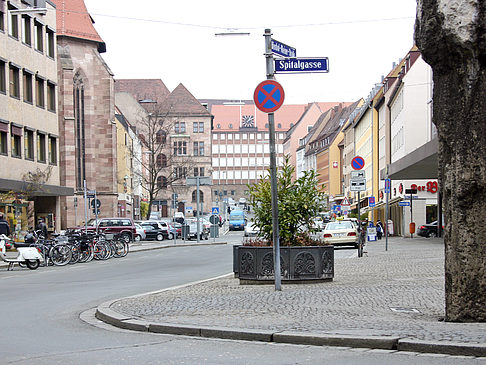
<point>143,89</point>
<point>73,20</point>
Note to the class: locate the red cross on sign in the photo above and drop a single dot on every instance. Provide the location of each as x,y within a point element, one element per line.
<point>268,96</point>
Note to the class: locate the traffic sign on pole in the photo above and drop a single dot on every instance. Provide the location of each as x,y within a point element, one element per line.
<point>357,163</point>
<point>269,95</point>
<point>215,210</point>
<point>387,185</point>
<point>371,201</point>
<point>302,65</point>
<point>282,49</point>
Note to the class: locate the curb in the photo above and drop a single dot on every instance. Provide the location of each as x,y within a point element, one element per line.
<point>106,314</point>
<point>176,245</point>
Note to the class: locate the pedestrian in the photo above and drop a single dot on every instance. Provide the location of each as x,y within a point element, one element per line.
<point>42,227</point>
<point>4,226</point>
<point>379,229</point>
<point>229,209</point>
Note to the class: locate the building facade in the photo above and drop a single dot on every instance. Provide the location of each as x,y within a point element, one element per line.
<point>30,185</point>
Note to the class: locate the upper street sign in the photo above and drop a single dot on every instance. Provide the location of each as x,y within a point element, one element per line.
<point>301,65</point>
<point>203,180</point>
<point>282,49</point>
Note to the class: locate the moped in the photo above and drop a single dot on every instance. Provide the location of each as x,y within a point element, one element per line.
<point>28,256</point>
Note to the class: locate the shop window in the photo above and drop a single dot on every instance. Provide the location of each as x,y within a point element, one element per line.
<point>14,82</point>
<point>41,147</point>
<point>51,97</point>
<point>16,133</point>
<point>28,144</point>
<point>28,92</point>
<point>39,93</point>
<point>52,150</point>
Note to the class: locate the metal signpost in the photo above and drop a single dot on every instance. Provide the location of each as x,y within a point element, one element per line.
<point>411,192</point>
<point>282,49</point>
<point>358,183</point>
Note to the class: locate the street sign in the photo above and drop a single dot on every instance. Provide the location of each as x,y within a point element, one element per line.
<point>302,65</point>
<point>345,202</point>
<point>410,191</point>
<point>371,201</point>
<point>357,184</point>
<point>282,49</point>
<point>269,95</point>
<point>358,174</point>
<point>215,210</point>
<point>387,185</point>
<point>404,204</point>
<point>203,180</point>
<point>357,163</point>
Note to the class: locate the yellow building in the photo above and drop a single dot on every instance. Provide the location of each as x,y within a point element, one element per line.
<point>124,150</point>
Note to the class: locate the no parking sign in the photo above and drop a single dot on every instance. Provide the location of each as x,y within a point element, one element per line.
<point>269,95</point>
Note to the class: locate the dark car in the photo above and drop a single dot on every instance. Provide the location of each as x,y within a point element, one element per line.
<point>428,230</point>
<point>117,226</point>
<point>155,230</point>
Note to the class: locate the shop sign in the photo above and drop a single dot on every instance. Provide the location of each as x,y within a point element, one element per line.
<point>430,187</point>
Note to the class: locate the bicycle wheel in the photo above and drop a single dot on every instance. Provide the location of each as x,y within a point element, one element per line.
<point>86,253</point>
<point>120,248</point>
<point>60,254</point>
<point>76,254</point>
<point>101,251</point>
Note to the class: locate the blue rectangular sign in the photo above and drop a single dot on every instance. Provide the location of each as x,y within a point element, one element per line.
<point>387,185</point>
<point>301,65</point>
<point>371,201</point>
<point>282,49</point>
<point>403,204</point>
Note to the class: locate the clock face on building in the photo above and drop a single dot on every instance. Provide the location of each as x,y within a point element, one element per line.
<point>248,121</point>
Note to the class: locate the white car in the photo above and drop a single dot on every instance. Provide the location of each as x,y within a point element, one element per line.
<point>140,235</point>
<point>341,233</point>
<point>251,230</point>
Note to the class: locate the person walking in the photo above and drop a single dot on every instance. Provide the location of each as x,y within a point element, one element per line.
<point>41,226</point>
<point>4,226</point>
<point>379,229</point>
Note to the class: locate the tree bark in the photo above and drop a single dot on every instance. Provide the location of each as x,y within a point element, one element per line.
<point>451,36</point>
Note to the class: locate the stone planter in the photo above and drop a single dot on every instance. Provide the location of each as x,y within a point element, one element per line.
<point>297,264</point>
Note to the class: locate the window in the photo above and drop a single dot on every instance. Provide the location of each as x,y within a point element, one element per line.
<point>39,36</point>
<point>14,82</point>
<point>161,160</point>
<point>3,77</point>
<point>180,172</point>
<point>3,138</point>
<point>195,127</point>
<point>162,182</point>
<point>194,196</point>
<point>41,147</point>
<point>50,42</point>
<point>198,148</point>
<point>279,125</point>
<point>161,136</point>
<point>28,93</point>
<point>52,150</point>
<point>180,148</point>
<point>39,92</point>
<point>2,22</point>
<point>13,26</point>
<point>201,127</point>
<point>230,126</point>
<point>16,133</point>
<point>26,30</point>
<point>198,171</point>
<point>28,144</point>
<point>51,98</point>
<point>180,127</point>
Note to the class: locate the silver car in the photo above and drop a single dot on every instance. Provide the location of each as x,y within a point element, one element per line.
<point>140,235</point>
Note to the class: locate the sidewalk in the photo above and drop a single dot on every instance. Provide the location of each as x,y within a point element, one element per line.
<point>386,300</point>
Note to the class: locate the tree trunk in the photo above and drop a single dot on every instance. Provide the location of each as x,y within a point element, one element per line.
<point>451,36</point>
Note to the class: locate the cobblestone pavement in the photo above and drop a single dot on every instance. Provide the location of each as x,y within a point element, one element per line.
<point>409,278</point>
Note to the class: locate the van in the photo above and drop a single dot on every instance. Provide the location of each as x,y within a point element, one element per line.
<point>237,220</point>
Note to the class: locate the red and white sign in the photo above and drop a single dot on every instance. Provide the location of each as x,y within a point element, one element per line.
<point>345,201</point>
<point>335,164</point>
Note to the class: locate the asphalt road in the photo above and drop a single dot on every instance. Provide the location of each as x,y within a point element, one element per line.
<point>47,316</point>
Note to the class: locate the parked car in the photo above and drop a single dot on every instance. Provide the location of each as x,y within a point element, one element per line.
<point>175,230</point>
<point>429,230</point>
<point>155,230</point>
<point>251,230</point>
<point>341,233</point>
<point>140,235</point>
<point>203,231</point>
<point>124,227</point>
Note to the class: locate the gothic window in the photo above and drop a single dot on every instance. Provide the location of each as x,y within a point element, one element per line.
<point>79,125</point>
<point>194,196</point>
<point>161,136</point>
<point>161,160</point>
<point>162,182</point>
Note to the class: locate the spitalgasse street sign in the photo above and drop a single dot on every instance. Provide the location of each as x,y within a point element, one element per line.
<point>269,95</point>
<point>302,65</point>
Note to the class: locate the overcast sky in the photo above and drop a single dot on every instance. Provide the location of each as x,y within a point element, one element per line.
<point>175,41</point>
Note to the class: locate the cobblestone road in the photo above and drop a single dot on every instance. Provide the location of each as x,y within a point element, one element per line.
<point>409,278</point>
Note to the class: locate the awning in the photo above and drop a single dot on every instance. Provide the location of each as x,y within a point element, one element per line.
<point>45,190</point>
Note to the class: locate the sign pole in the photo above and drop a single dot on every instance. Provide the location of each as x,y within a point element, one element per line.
<point>197,207</point>
<point>273,166</point>
<point>96,211</point>
<point>387,192</point>
<point>85,209</point>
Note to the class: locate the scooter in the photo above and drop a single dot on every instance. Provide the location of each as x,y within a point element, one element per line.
<point>28,256</point>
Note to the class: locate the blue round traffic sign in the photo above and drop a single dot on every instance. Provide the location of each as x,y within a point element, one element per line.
<point>268,96</point>
<point>357,163</point>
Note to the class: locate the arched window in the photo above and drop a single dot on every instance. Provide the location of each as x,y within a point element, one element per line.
<point>279,125</point>
<point>161,160</point>
<point>162,182</point>
<point>161,136</point>
<point>194,196</point>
